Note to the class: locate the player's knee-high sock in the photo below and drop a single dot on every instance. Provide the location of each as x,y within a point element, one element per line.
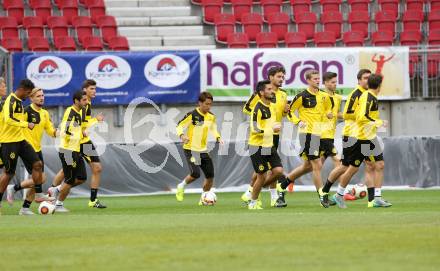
<point>285,183</point>
<point>93,194</point>
<point>370,193</point>
<point>327,186</point>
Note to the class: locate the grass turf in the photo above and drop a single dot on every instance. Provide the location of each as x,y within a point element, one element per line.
<point>157,233</point>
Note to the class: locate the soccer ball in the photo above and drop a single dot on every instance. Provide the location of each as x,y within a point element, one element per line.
<point>359,191</point>
<point>46,208</point>
<point>209,198</point>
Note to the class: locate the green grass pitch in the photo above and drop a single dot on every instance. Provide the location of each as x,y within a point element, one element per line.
<point>157,233</point>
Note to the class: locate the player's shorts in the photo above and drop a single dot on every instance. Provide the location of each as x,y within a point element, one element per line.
<point>40,156</point>
<point>276,141</point>
<point>88,151</point>
<point>327,148</point>
<point>264,159</point>
<point>309,146</point>
<point>369,150</point>
<point>73,166</point>
<point>197,161</point>
<point>1,161</point>
<point>348,150</point>
<point>12,150</point>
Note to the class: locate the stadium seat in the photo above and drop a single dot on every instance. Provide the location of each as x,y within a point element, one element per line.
<point>306,22</point>
<point>382,38</point>
<point>58,25</point>
<point>12,44</point>
<point>64,44</point>
<point>240,7</point>
<point>279,24</point>
<point>96,9</point>
<point>9,27</point>
<point>69,9</point>
<point>359,21</point>
<point>238,40</point>
<point>389,5</point>
<point>332,21</point>
<point>108,26</point>
<point>92,43</point>
<point>433,65</point>
<point>330,5</point>
<point>34,26</point>
<point>434,5</point>
<point>353,39</point>
<point>14,8</point>
<point>224,25</point>
<point>210,9</point>
<point>434,19</point>
<point>412,20</point>
<point>38,44</point>
<point>42,9</point>
<point>267,40</point>
<point>118,43</point>
<point>252,25</point>
<point>270,6</point>
<point>83,27</point>
<point>434,37</point>
<point>295,39</point>
<point>359,5</point>
<point>415,5</point>
<point>410,38</point>
<point>413,65</point>
<point>300,6</point>
<point>386,21</point>
<point>325,39</point>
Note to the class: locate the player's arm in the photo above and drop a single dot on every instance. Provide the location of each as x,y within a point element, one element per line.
<point>247,108</point>
<point>256,121</point>
<point>340,115</point>
<point>328,107</point>
<point>363,116</point>
<point>213,130</point>
<point>10,118</point>
<point>183,124</point>
<point>294,106</point>
<point>49,127</point>
<point>350,109</point>
<point>285,107</point>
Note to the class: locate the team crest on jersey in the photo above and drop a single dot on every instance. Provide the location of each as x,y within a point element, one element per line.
<point>12,155</point>
<point>34,120</point>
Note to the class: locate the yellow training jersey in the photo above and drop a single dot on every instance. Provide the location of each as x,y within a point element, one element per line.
<point>334,103</point>
<point>349,114</point>
<point>312,110</point>
<point>198,126</point>
<point>13,120</point>
<point>367,116</point>
<point>263,117</point>
<point>71,131</point>
<point>87,120</point>
<point>41,119</point>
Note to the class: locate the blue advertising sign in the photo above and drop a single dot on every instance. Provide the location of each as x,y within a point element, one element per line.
<point>163,77</point>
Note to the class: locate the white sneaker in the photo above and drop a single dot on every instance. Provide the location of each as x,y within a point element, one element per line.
<point>25,211</point>
<point>53,192</point>
<point>10,191</point>
<point>43,197</point>
<point>61,209</point>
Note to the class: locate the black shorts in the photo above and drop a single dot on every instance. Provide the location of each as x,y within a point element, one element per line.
<point>327,148</point>
<point>1,161</point>
<point>11,151</point>
<point>309,146</point>
<point>348,150</point>
<point>264,159</point>
<point>40,156</point>
<point>88,151</point>
<point>73,166</point>
<point>276,141</point>
<point>369,150</point>
<point>197,161</point>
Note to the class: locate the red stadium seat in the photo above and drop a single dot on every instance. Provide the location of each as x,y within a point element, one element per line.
<point>415,5</point>
<point>238,40</point>
<point>42,9</point>
<point>325,39</point>
<point>58,25</point>
<point>295,39</point>
<point>92,43</point>
<point>359,21</point>
<point>413,65</point>
<point>412,20</point>
<point>382,38</point>
<point>434,19</point>
<point>118,43</point>
<point>210,9</point>
<point>38,44</point>
<point>267,40</point>
<point>96,9</point>
<point>108,26</point>
<point>83,27</point>
<point>353,39</point>
<point>386,21</point>
<point>64,44</point>
<point>12,44</point>
<point>434,5</point>
<point>9,27</point>
<point>224,25</point>
<point>433,65</point>
<point>300,6</point>
<point>14,8</point>
<point>389,5</point>
<point>410,38</point>
<point>279,24</point>
<point>270,6</point>
<point>34,26</point>
<point>332,21</point>
<point>252,25</point>
<point>306,22</point>
<point>359,5</point>
<point>240,7</point>
<point>434,37</point>
<point>69,9</point>
<point>330,5</point>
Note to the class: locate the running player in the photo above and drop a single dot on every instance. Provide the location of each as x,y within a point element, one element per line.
<point>276,77</point>
<point>263,155</point>
<point>34,113</point>
<point>198,124</point>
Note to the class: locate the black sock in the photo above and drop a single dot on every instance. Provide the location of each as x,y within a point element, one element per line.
<point>38,188</point>
<point>281,179</point>
<point>17,187</point>
<point>1,196</point>
<point>370,193</point>
<point>27,204</point>
<point>93,194</point>
<point>285,183</point>
<point>327,186</point>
